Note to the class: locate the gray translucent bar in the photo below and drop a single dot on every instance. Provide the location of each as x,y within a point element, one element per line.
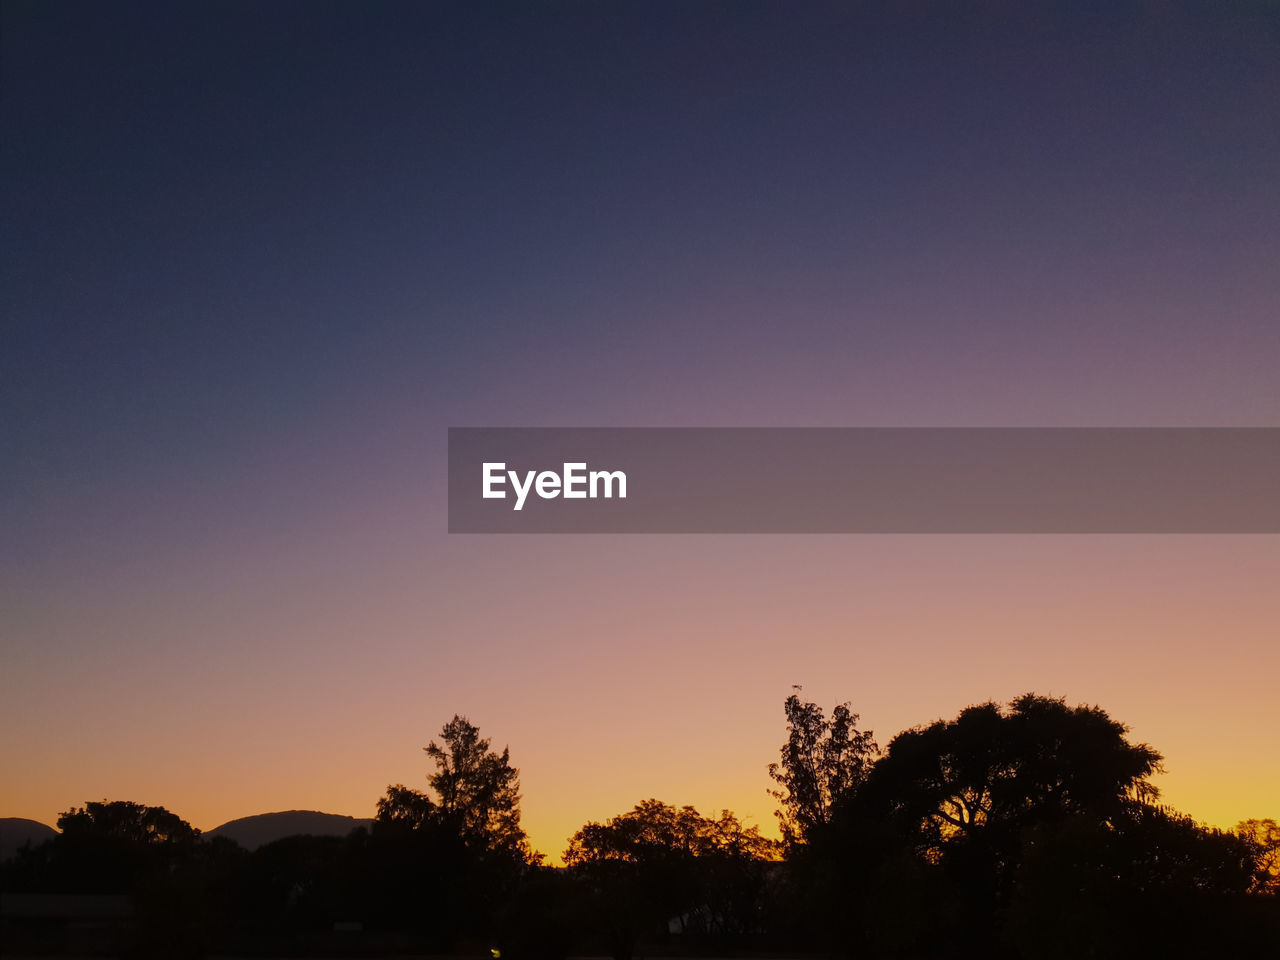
<point>872,480</point>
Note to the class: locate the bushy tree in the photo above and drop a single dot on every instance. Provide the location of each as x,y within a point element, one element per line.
<point>655,828</point>
<point>658,864</point>
<point>1263,837</point>
<point>965,796</point>
<point>1146,882</point>
<point>125,821</point>
<point>406,808</point>
<point>176,881</point>
<point>992,771</point>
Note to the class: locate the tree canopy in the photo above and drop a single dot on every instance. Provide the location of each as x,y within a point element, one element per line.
<point>659,865</point>
<point>1263,837</point>
<point>123,820</point>
<point>996,769</point>
<point>652,829</point>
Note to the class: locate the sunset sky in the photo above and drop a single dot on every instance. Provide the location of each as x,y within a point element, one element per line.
<point>257,258</point>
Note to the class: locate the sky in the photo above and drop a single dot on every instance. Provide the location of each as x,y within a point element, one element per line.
<point>257,258</point>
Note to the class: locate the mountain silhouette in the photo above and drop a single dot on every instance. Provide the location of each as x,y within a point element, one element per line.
<point>263,828</point>
<point>15,832</point>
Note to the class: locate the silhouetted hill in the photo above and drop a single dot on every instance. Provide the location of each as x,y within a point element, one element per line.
<point>16,831</point>
<point>253,832</point>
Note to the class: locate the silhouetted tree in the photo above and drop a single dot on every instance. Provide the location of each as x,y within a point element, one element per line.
<point>823,764</point>
<point>126,821</point>
<point>654,827</point>
<point>1146,882</point>
<point>478,789</point>
<point>658,863</point>
<point>408,808</point>
<point>1263,837</point>
<point>449,865</point>
<point>110,846</point>
<point>963,794</point>
<point>175,882</point>
<point>992,771</point>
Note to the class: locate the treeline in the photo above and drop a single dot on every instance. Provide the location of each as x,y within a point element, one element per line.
<point>1026,831</point>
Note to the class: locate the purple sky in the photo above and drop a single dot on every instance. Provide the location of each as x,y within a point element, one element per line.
<point>258,257</point>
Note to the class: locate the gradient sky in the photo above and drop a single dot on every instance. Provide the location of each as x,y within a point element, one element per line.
<point>258,257</point>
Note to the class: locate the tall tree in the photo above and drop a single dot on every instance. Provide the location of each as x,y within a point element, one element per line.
<point>823,764</point>
<point>478,789</point>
